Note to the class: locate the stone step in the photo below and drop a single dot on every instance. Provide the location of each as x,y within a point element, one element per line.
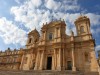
<point>31,72</point>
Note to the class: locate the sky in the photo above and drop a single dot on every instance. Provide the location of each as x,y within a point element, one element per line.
<point>18,17</point>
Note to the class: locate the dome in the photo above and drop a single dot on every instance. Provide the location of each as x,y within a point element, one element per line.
<point>33,32</point>
<point>81,18</point>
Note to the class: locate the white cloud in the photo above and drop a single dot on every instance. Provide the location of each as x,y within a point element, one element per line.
<point>36,17</point>
<point>32,16</point>
<point>95,22</point>
<point>36,3</point>
<point>10,33</point>
<point>64,5</point>
<point>34,13</point>
<point>70,5</point>
<point>97,47</point>
<point>17,1</point>
<point>96,31</point>
<point>94,18</point>
<point>19,12</point>
<point>92,31</point>
<point>51,4</point>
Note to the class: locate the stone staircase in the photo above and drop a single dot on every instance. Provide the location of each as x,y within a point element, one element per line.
<point>31,72</point>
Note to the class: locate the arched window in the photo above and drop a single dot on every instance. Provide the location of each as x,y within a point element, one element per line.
<point>30,39</point>
<point>86,57</point>
<point>50,36</point>
<point>82,29</point>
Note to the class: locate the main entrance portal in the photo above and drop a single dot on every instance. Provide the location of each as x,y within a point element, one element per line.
<point>49,63</point>
<point>69,65</point>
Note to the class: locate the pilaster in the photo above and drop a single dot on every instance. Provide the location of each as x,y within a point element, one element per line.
<point>73,60</point>
<point>36,64</point>
<point>21,66</point>
<point>59,60</point>
<point>55,59</point>
<point>41,60</point>
<point>63,55</point>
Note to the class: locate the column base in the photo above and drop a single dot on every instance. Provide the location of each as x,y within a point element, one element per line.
<point>73,68</point>
<point>40,68</point>
<point>53,68</point>
<point>63,68</point>
<point>35,68</point>
<point>59,68</point>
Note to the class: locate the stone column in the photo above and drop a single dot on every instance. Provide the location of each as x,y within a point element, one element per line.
<point>41,60</point>
<point>45,35</point>
<point>53,63</point>
<point>73,60</point>
<point>22,62</point>
<point>31,61</point>
<point>59,60</point>
<point>55,32</point>
<point>63,53</point>
<point>59,32</point>
<point>36,63</point>
<point>55,59</point>
<point>93,61</point>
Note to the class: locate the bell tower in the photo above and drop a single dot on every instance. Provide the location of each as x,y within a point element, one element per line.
<point>82,25</point>
<point>33,38</point>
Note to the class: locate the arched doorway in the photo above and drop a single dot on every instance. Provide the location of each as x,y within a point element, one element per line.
<point>69,65</point>
<point>49,63</point>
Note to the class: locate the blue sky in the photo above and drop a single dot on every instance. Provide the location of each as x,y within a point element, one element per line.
<point>18,17</point>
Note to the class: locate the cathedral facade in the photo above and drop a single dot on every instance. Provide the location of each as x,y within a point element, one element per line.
<point>54,49</point>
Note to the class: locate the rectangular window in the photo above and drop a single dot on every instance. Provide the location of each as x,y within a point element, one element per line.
<point>30,40</point>
<point>50,36</point>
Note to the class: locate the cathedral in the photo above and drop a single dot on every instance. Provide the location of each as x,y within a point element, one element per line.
<point>54,49</point>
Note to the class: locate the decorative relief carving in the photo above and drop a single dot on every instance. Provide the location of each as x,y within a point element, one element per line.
<point>49,51</point>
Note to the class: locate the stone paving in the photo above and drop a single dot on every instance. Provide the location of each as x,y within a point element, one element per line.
<point>45,73</point>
